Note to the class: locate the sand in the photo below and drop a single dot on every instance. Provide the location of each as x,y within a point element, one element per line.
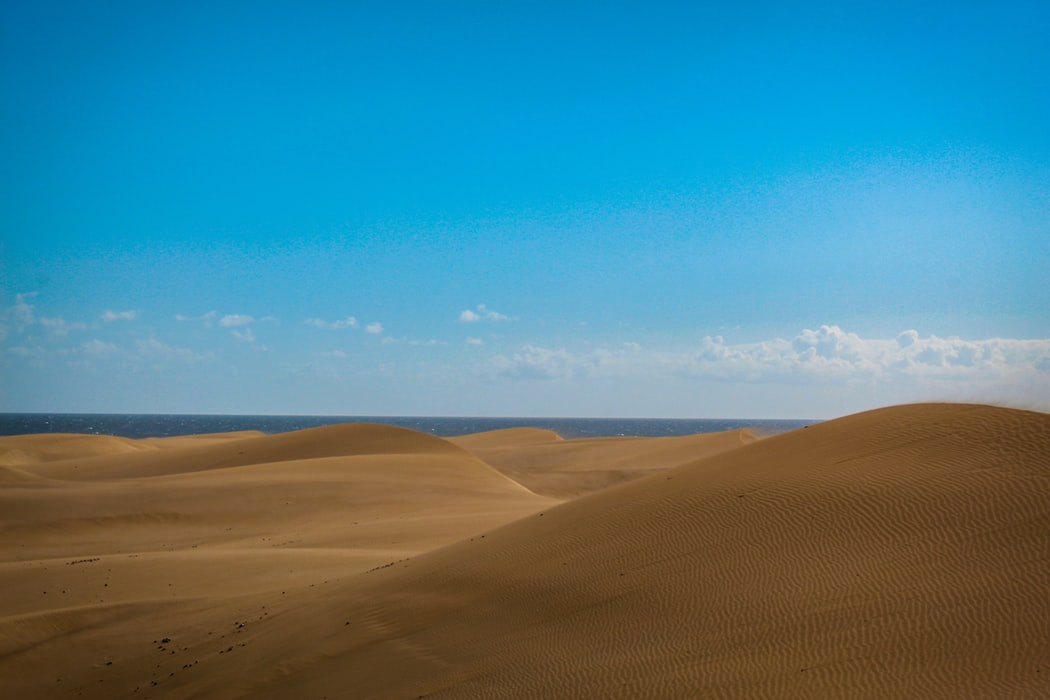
<point>903,552</point>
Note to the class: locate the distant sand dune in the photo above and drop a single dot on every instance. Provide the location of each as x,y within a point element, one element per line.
<point>344,440</point>
<point>903,552</point>
<point>548,464</point>
<point>33,449</point>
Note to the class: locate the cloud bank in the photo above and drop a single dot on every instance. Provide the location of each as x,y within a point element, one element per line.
<point>997,368</point>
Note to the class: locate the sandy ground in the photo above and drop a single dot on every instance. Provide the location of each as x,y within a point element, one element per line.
<point>903,552</point>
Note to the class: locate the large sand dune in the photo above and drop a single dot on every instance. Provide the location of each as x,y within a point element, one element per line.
<point>903,552</point>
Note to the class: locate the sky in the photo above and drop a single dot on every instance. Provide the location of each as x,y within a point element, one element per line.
<point>660,209</point>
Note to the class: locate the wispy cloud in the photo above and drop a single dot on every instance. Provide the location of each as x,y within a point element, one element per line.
<point>22,316</point>
<point>234,320</point>
<point>481,313</point>
<point>111,316</point>
<point>244,336</point>
<point>207,318</point>
<point>534,362</point>
<point>61,327</point>
<point>22,313</point>
<point>474,341</point>
<point>99,349</point>
<point>374,328</point>
<point>149,351</point>
<point>161,353</point>
<point>413,342</point>
<point>348,322</point>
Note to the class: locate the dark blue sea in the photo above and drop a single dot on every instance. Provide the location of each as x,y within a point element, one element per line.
<point>145,425</point>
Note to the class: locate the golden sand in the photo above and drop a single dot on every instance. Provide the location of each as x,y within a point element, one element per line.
<point>903,552</point>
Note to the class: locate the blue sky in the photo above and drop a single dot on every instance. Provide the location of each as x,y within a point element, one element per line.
<point>468,208</point>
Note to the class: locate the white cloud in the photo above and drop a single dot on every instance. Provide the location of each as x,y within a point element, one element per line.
<point>35,356</point>
<point>23,313</point>
<point>831,354</point>
<point>55,325</point>
<point>234,320</point>
<point>413,342</point>
<point>59,326</point>
<point>534,362</point>
<point>908,366</point>
<point>375,328</point>
<point>98,349</point>
<point>149,350</point>
<point>348,322</point>
<point>483,313</point>
<point>110,316</point>
<point>207,318</point>
<point>244,336</point>
<point>23,351</point>
<point>161,353</point>
<point>474,341</point>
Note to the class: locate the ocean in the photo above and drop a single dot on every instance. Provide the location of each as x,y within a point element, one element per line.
<point>159,425</point>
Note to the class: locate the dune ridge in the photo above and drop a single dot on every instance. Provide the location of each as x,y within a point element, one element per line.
<point>895,553</point>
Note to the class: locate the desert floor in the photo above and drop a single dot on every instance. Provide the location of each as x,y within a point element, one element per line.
<point>901,552</point>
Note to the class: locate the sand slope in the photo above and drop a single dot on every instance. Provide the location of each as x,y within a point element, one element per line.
<point>898,553</point>
<point>903,552</point>
<point>103,554</point>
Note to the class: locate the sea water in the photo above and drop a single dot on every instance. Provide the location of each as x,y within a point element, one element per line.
<point>157,425</point>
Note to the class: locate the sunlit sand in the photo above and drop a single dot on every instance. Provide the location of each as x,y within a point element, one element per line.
<point>902,552</point>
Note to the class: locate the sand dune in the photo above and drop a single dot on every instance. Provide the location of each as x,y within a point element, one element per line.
<point>896,553</point>
<point>547,464</point>
<point>99,549</point>
<point>189,454</point>
<point>33,449</point>
<point>318,487</point>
